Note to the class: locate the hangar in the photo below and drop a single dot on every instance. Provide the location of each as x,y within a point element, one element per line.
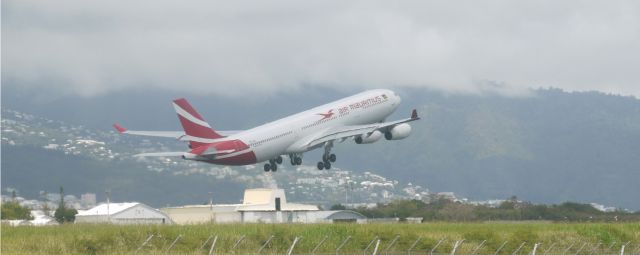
<point>259,205</point>
<point>123,213</point>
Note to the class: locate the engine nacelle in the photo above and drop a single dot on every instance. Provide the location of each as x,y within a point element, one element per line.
<point>371,138</point>
<point>398,132</point>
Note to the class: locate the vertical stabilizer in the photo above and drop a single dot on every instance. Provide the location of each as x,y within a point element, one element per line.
<point>198,130</point>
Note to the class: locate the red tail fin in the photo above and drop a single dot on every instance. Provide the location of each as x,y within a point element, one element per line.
<point>193,124</point>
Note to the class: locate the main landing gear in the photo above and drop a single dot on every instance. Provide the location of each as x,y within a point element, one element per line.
<point>327,157</point>
<point>273,164</point>
<point>296,159</point>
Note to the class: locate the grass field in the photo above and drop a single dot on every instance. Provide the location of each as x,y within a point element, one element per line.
<point>588,238</point>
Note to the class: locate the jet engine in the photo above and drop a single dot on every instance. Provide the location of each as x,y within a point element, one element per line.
<point>371,138</point>
<point>398,132</point>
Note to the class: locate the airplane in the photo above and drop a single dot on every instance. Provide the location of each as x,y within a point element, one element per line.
<point>360,117</point>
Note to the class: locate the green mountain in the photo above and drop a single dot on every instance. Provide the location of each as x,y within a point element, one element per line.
<point>551,146</point>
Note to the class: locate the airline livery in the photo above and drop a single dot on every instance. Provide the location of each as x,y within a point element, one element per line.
<point>360,117</point>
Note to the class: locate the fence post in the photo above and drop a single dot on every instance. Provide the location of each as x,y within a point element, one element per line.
<point>265,244</point>
<point>213,244</point>
<point>549,249</point>
<point>342,244</point>
<point>293,245</point>
<point>455,246</point>
<point>478,248</point>
<point>393,242</point>
<point>375,250</point>
<point>581,247</point>
<point>609,247</point>
<point>413,245</point>
<point>173,243</point>
<point>319,244</point>
<point>500,248</point>
<point>519,247</point>
<point>622,249</point>
<point>436,247</point>
<point>535,248</point>
<point>144,243</point>
<point>568,248</point>
<point>205,242</point>
<point>369,245</point>
<point>235,245</point>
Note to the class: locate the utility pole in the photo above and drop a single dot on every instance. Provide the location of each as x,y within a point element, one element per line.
<point>211,206</point>
<point>211,200</point>
<point>347,186</point>
<point>108,193</point>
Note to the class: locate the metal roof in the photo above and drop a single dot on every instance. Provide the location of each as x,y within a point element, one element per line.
<point>112,209</point>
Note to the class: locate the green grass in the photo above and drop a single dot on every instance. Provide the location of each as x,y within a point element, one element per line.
<point>113,239</point>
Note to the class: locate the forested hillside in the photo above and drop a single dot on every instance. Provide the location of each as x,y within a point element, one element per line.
<point>551,146</point>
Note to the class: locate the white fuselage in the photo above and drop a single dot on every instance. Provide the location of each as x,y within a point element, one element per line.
<point>286,135</point>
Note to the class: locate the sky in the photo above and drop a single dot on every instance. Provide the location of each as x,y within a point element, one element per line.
<point>241,48</point>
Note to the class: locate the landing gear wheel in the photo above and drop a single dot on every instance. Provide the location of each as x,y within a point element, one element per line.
<point>320,165</point>
<point>274,167</point>
<point>327,165</point>
<point>279,160</point>
<point>267,167</point>
<point>332,158</point>
<point>298,161</point>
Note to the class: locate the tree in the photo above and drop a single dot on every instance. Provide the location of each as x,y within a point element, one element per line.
<point>64,214</point>
<point>14,211</point>
<point>337,207</point>
<point>45,205</point>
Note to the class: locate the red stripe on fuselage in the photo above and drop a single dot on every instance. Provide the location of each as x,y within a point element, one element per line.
<point>247,158</point>
<point>235,146</point>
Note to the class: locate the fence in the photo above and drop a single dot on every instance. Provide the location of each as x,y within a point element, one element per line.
<point>219,244</point>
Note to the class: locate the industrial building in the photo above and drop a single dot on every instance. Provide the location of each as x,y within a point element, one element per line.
<point>123,213</point>
<point>259,205</point>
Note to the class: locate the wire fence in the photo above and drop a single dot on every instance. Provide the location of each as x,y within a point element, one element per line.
<point>220,244</point>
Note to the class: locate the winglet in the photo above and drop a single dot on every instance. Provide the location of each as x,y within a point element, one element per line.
<point>414,114</point>
<point>119,128</point>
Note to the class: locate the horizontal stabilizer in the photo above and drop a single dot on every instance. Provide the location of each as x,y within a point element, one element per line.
<point>179,135</point>
<point>161,154</point>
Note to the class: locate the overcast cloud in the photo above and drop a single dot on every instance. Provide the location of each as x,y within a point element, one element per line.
<point>240,47</point>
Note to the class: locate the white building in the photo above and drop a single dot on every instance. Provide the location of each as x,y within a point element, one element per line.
<point>123,213</point>
<point>259,205</point>
<point>40,218</point>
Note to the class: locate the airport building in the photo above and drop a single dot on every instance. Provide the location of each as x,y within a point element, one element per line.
<point>122,213</point>
<point>259,206</point>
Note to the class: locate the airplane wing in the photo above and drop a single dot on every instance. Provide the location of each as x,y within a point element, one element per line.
<point>179,135</point>
<point>345,132</point>
<point>161,154</point>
